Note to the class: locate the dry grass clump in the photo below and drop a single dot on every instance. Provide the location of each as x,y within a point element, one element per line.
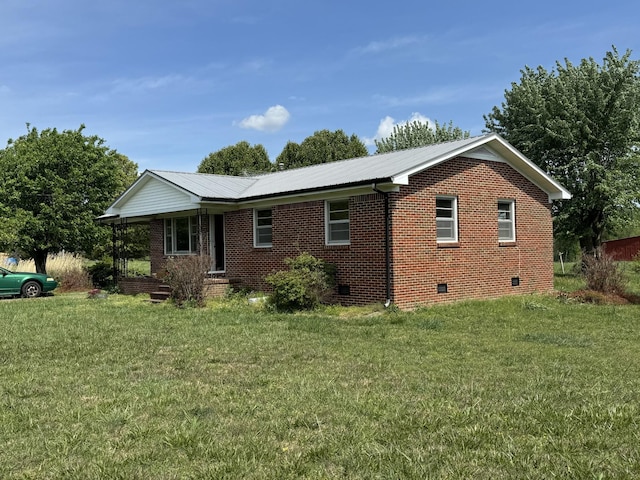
<point>603,274</point>
<point>67,268</point>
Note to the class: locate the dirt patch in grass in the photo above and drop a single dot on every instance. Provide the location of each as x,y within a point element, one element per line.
<point>599,298</point>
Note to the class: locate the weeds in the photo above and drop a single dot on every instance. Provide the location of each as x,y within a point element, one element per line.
<point>185,275</point>
<point>603,274</point>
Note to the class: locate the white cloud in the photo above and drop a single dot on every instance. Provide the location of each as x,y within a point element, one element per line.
<point>272,120</point>
<point>389,44</point>
<point>136,85</point>
<point>386,125</point>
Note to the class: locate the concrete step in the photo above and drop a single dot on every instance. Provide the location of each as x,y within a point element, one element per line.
<point>160,295</point>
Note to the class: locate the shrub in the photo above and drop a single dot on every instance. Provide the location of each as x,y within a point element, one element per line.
<point>304,286</point>
<point>101,274</point>
<point>602,273</point>
<point>185,275</point>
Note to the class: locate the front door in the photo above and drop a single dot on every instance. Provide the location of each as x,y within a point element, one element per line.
<point>217,242</point>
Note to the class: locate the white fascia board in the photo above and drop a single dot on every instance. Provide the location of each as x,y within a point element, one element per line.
<point>511,155</point>
<point>329,194</point>
<point>531,171</point>
<point>134,187</point>
<point>140,182</point>
<point>402,178</point>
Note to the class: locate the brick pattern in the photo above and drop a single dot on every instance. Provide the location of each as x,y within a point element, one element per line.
<point>477,266</point>
<point>156,234</point>
<point>213,287</point>
<point>300,227</point>
<point>135,285</point>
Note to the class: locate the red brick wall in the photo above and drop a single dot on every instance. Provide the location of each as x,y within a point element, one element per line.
<point>156,239</point>
<point>300,227</point>
<point>156,234</point>
<point>477,266</point>
<point>134,285</point>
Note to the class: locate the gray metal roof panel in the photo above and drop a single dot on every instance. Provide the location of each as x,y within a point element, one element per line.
<point>351,171</point>
<point>205,185</point>
<point>393,166</point>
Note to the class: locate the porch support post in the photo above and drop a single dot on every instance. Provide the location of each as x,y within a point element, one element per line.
<point>114,252</point>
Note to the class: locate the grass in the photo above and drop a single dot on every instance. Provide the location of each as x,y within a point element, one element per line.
<point>522,387</point>
<point>569,281</point>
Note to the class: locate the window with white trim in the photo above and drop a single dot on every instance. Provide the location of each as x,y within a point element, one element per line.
<point>446,219</point>
<point>262,227</point>
<point>180,235</point>
<point>506,221</point>
<point>337,222</point>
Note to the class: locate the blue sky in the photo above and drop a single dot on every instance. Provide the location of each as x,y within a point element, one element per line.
<point>166,82</point>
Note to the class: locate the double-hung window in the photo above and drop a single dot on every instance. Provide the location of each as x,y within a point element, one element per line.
<point>262,228</point>
<point>180,235</point>
<point>446,219</point>
<point>337,222</point>
<point>506,221</point>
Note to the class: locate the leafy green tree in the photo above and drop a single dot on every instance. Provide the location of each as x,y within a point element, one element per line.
<point>419,134</point>
<point>580,123</point>
<point>54,185</point>
<point>323,146</point>
<point>239,159</point>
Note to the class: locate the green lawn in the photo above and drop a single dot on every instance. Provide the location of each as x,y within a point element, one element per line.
<point>525,387</point>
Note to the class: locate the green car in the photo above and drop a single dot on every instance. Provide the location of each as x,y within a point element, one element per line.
<point>30,285</point>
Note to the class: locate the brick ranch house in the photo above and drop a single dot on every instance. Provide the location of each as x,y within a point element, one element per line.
<point>458,220</point>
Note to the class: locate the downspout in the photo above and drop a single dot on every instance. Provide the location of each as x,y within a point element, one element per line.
<point>387,243</point>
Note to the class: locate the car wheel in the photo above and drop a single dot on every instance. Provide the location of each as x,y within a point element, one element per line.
<point>31,289</point>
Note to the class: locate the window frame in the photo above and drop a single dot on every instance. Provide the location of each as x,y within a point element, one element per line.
<point>453,219</point>
<point>170,235</point>
<point>510,221</point>
<point>257,228</point>
<point>329,223</point>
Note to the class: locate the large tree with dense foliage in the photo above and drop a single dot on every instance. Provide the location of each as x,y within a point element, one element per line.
<point>419,134</point>
<point>54,185</point>
<point>580,123</point>
<point>239,159</point>
<point>323,146</point>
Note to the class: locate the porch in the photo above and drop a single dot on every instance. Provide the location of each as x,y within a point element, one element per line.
<point>214,287</point>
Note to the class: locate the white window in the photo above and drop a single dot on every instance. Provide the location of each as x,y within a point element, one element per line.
<point>446,219</point>
<point>180,235</point>
<point>262,228</point>
<point>337,222</point>
<point>506,221</point>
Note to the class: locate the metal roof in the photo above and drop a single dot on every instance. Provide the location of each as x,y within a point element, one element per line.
<point>206,185</point>
<point>353,171</point>
<point>381,167</point>
<point>390,168</point>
